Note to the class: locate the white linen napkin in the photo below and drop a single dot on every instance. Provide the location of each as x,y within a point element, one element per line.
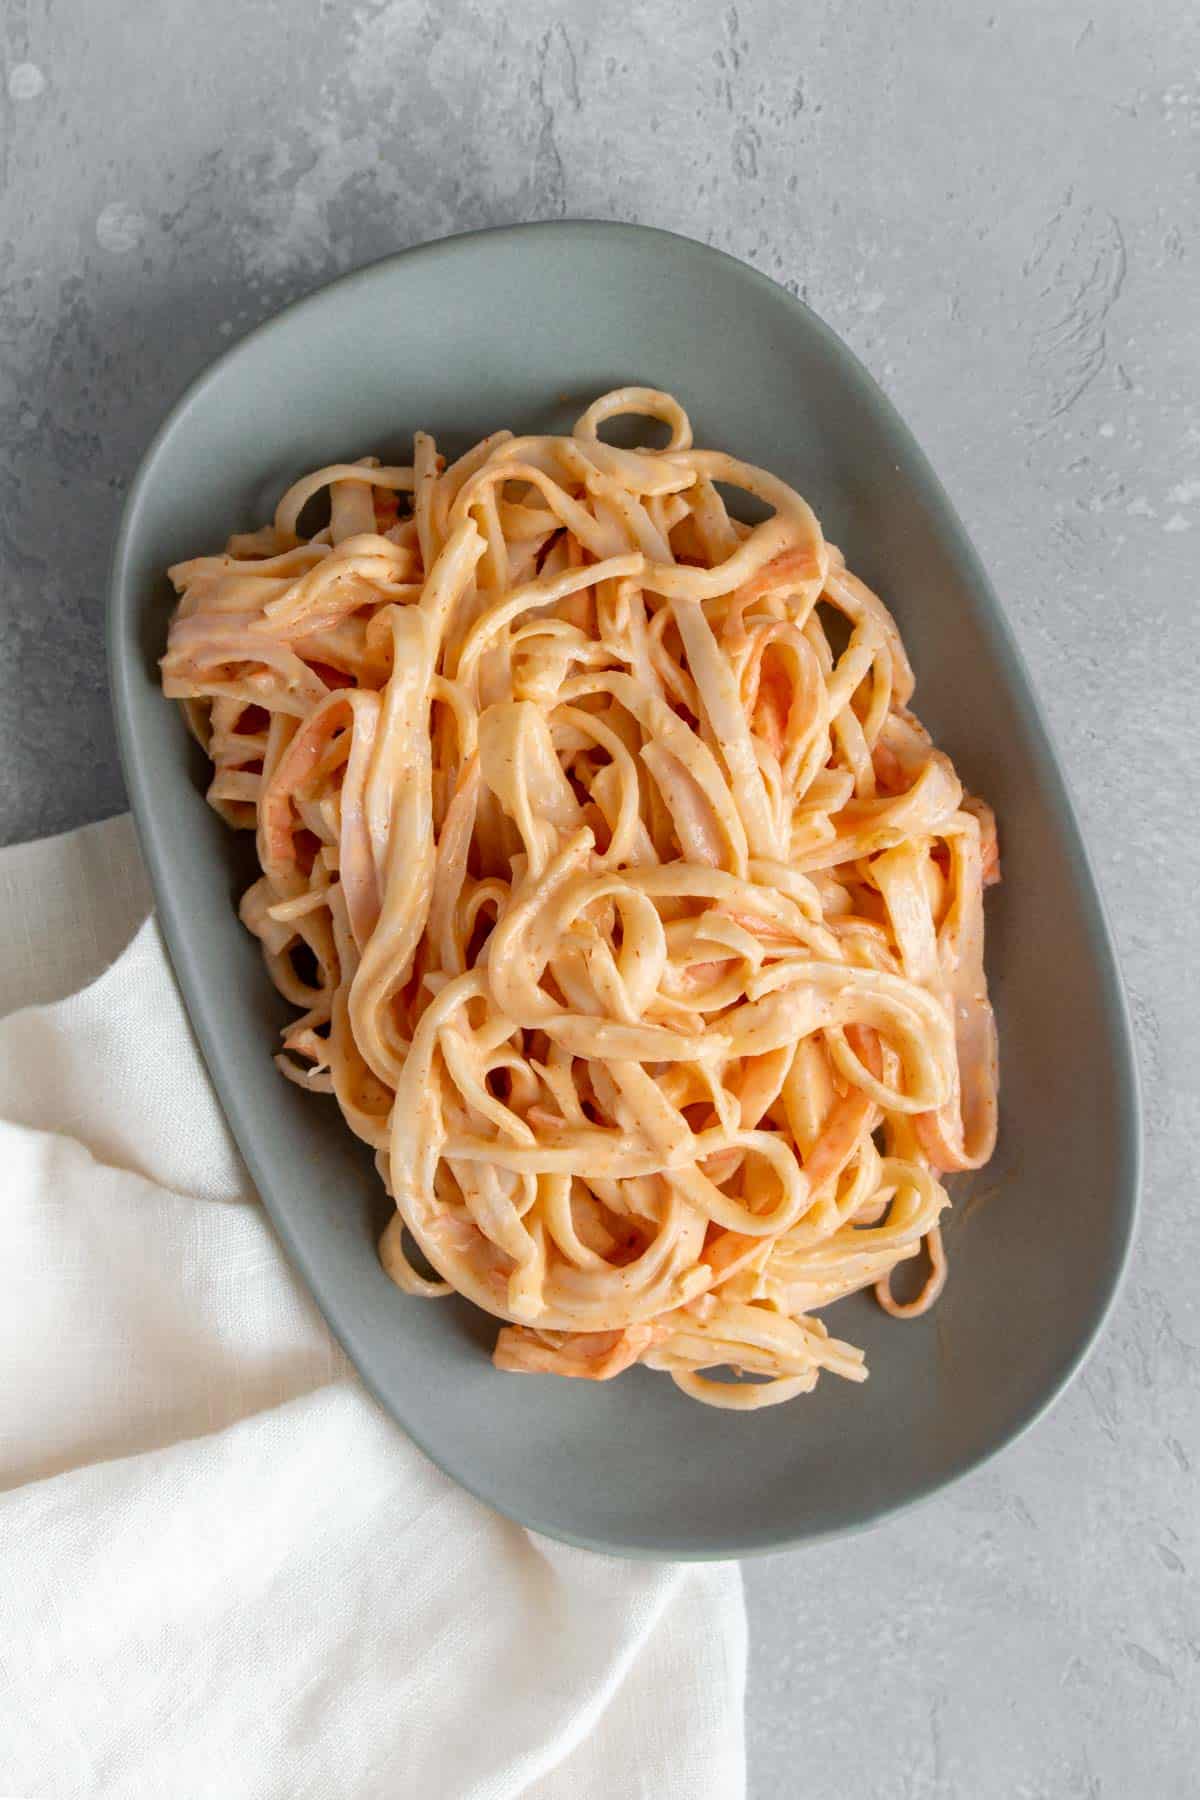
<point>223,1571</point>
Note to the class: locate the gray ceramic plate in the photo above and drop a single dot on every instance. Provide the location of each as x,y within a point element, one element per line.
<point>522,327</point>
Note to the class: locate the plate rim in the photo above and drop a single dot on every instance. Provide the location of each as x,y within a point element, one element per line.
<point>120,609</point>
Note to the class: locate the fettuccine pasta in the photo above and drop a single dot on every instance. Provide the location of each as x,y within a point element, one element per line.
<point>631,916</point>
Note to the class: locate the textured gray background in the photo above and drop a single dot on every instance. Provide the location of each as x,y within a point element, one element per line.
<point>999,210</point>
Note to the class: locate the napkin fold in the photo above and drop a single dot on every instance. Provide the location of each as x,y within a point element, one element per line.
<point>224,1572</point>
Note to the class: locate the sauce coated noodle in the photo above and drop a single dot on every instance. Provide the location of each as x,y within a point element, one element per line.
<point>630,914</point>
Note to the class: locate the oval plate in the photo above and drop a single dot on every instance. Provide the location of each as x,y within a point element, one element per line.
<point>522,328</point>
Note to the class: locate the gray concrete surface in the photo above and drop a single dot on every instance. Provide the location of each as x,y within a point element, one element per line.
<point>998,206</point>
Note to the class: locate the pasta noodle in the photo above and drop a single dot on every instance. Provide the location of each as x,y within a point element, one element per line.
<point>630,915</point>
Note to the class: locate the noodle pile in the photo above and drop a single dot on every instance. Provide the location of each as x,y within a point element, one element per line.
<point>632,918</point>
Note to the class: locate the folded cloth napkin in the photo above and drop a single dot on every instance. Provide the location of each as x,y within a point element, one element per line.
<point>223,1571</point>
